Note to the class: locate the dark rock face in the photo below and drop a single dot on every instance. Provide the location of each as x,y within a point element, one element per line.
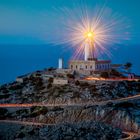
<point>84,122</point>
<point>84,130</point>
<point>8,131</point>
<point>37,91</point>
<point>68,131</point>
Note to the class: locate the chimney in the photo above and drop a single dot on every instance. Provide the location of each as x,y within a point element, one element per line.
<point>60,63</point>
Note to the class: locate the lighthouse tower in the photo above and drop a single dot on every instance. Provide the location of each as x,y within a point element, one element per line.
<point>90,65</point>
<point>89,51</point>
<point>86,51</point>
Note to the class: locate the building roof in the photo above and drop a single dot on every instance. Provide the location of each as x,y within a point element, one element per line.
<point>116,65</point>
<point>103,61</point>
<point>23,76</point>
<point>88,61</point>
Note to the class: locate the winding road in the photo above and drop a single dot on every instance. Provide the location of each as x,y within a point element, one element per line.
<point>131,135</point>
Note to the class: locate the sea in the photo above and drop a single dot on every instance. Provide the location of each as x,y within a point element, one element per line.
<point>17,60</point>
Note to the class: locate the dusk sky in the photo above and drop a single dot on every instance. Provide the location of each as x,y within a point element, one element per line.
<point>25,23</point>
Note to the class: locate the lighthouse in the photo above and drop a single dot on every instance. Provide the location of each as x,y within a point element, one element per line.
<point>89,52</point>
<point>89,47</point>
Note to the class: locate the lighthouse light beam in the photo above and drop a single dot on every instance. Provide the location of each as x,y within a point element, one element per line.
<point>89,45</point>
<point>90,31</point>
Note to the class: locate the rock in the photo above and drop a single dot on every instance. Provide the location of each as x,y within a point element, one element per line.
<point>42,118</point>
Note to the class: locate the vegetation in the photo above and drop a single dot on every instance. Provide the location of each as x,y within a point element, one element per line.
<point>49,85</point>
<point>36,111</point>
<point>51,69</point>
<point>5,91</point>
<point>93,88</point>
<point>3,113</point>
<point>104,75</point>
<point>125,105</point>
<point>38,83</point>
<point>115,73</point>
<point>16,87</point>
<point>71,76</point>
<point>21,135</point>
<point>5,96</point>
<point>50,80</point>
<point>84,85</point>
<point>128,66</point>
<point>77,83</point>
<point>22,111</point>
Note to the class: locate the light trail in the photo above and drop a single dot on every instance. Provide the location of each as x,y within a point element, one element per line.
<point>131,135</point>
<point>110,79</point>
<point>89,103</point>
<point>23,122</point>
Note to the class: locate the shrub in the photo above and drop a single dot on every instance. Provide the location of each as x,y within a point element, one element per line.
<point>85,84</point>
<point>94,89</point>
<point>21,135</point>
<point>36,111</point>
<point>5,91</point>
<point>57,108</point>
<point>77,83</point>
<point>104,75</point>
<point>39,83</point>
<point>15,87</point>
<point>50,80</point>
<point>49,86</point>
<point>4,96</point>
<point>3,112</point>
<point>115,73</point>
<point>71,76</point>
<point>22,111</point>
<point>50,69</point>
<point>32,132</point>
<point>125,105</point>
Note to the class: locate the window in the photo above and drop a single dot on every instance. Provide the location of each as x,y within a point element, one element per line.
<point>71,66</point>
<point>86,66</point>
<point>100,66</point>
<point>80,67</point>
<point>97,66</point>
<point>103,66</point>
<point>108,66</point>
<point>76,66</point>
<point>90,67</point>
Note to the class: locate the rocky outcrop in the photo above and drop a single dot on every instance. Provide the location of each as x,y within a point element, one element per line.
<point>68,131</point>
<point>83,92</point>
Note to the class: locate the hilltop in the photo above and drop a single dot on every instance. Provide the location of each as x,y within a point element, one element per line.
<point>75,106</point>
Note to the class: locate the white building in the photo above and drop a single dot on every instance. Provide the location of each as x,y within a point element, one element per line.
<point>90,66</point>
<point>21,79</point>
<point>59,81</point>
<point>60,63</point>
<point>46,76</point>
